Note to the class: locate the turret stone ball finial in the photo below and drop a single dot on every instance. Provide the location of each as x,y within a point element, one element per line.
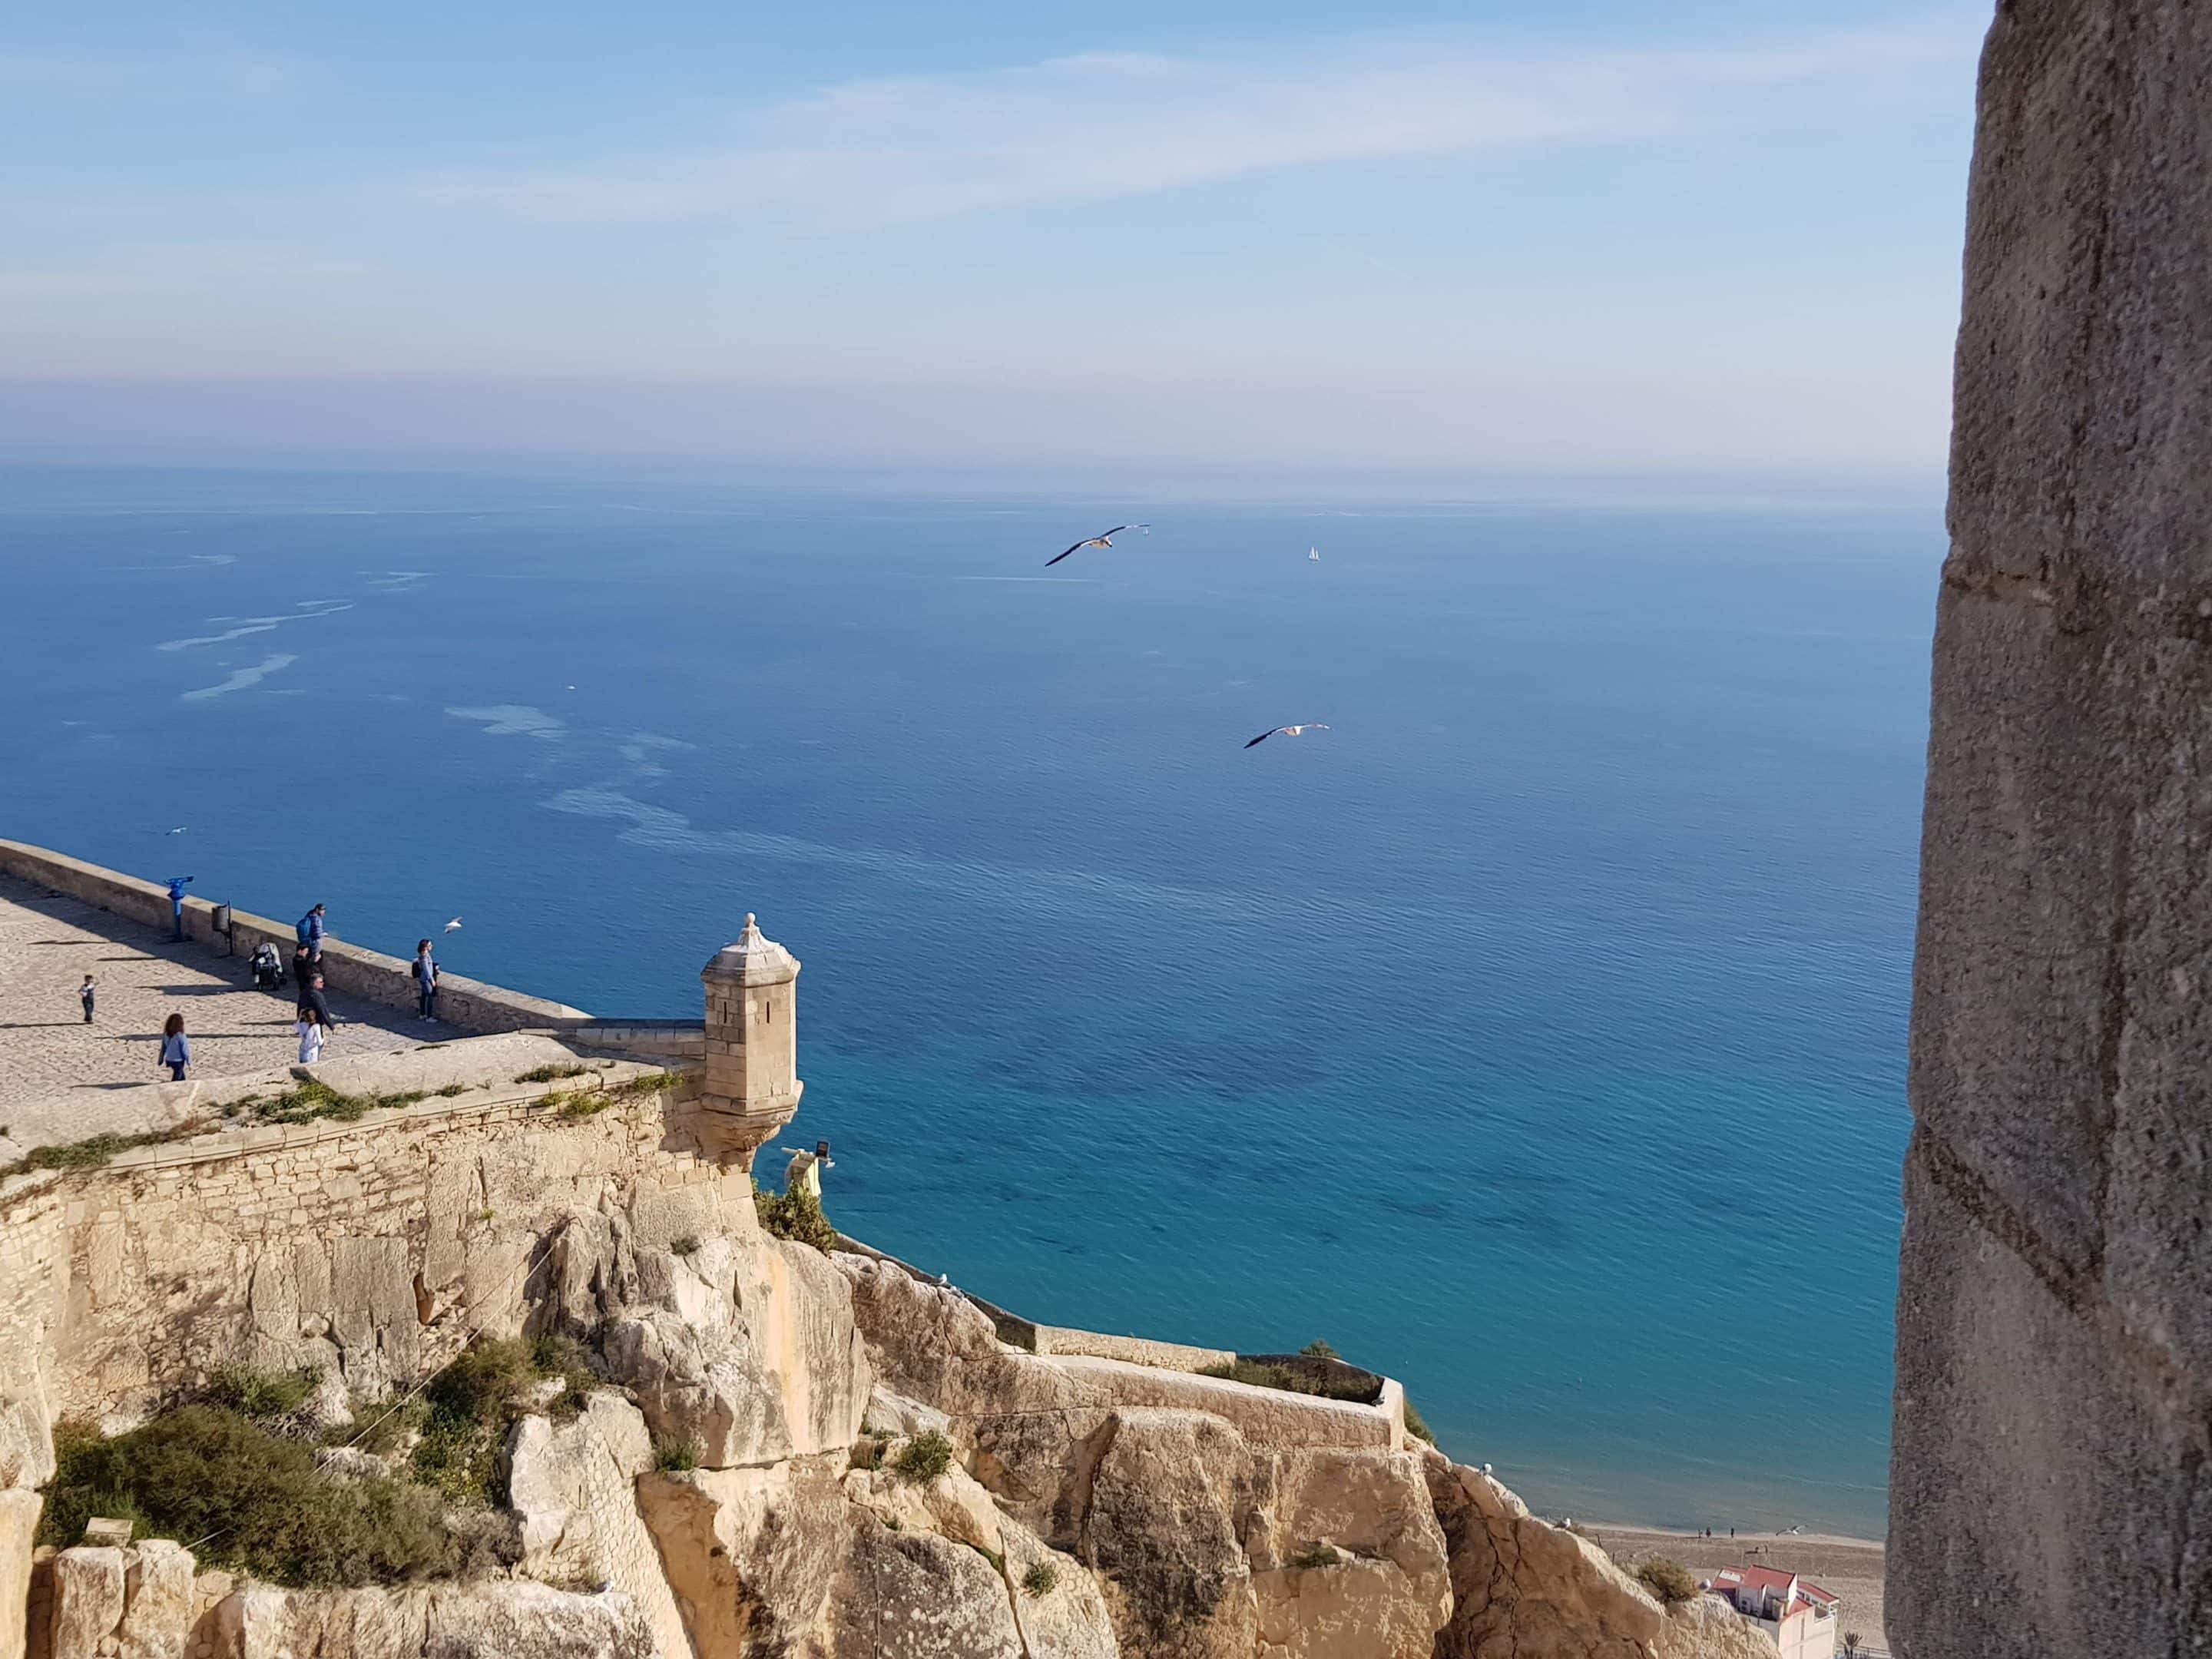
<point>751,1086</point>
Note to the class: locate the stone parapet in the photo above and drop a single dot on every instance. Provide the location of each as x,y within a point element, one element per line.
<point>471,1005</point>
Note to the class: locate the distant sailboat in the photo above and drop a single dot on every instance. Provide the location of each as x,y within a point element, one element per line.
<point>1314,554</point>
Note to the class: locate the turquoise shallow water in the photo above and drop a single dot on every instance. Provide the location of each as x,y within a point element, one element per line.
<point>1536,1035</point>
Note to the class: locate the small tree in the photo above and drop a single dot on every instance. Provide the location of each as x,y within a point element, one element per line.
<point>1851,1644</point>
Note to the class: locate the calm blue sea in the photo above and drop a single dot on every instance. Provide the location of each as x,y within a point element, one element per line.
<point>1535,1034</point>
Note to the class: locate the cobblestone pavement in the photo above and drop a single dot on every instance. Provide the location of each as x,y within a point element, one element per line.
<point>48,943</point>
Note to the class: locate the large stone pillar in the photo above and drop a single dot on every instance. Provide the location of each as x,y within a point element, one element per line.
<point>2050,1493</point>
<point>751,1086</point>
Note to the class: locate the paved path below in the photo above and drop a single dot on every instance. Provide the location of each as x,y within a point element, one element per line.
<point>48,943</point>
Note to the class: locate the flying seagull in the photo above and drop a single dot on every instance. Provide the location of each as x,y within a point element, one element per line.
<point>1104,539</point>
<point>454,924</point>
<point>1287,730</point>
<point>178,831</point>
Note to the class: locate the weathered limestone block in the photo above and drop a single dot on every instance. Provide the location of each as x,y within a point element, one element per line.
<point>920,1337</point>
<point>1522,1586</point>
<point>515,1620</point>
<point>894,1413</point>
<point>523,1620</point>
<point>800,1308</point>
<point>1708,1628</point>
<point>87,1601</point>
<point>1168,1494</point>
<point>19,1527</point>
<point>2051,1466</point>
<point>748,1349</point>
<point>374,1318</point>
<point>157,1613</point>
<point>753,1555</point>
<point>953,1505</point>
<point>574,1485</point>
<point>1067,1621</point>
<point>706,1385</point>
<point>1390,1591</point>
<point>916,1595</point>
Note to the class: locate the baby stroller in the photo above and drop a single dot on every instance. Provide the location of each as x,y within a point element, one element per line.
<point>268,967</point>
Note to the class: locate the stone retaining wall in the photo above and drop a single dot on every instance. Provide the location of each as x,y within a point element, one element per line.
<point>471,1005</point>
<point>371,1250</point>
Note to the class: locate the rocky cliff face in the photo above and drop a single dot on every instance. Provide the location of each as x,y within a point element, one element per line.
<point>2052,1482</point>
<point>1084,1507</point>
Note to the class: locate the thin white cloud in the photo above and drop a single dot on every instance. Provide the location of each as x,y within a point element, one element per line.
<point>1106,125</point>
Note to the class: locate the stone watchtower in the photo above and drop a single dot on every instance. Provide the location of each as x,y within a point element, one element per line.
<point>751,1086</point>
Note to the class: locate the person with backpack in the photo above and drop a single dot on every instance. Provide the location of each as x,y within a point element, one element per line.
<point>311,931</point>
<point>176,1048</point>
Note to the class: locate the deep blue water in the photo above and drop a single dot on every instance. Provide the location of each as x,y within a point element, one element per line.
<point>1536,1035</point>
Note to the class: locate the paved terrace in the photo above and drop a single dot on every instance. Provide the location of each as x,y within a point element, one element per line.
<point>49,943</point>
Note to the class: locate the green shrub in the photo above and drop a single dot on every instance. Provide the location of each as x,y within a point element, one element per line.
<point>470,1404</point>
<point>1668,1580</point>
<point>245,1499</point>
<point>1315,1558</point>
<point>88,1154</point>
<point>1417,1426</point>
<point>253,1393</point>
<point>1319,1349</point>
<point>675,1456</point>
<point>580,1105</point>
<point>651,1082</point>
<point>923,1458</point>
<point>549,1073</point>
<point>796,1215</point>
<point>686,1245</point>
<point>453,1088</point>
<point>998,1561</point>
<point>1040,1579</point>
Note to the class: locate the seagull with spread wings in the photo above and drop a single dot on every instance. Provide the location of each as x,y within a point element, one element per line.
<point>1287,730</point>
<point>1104,539</point>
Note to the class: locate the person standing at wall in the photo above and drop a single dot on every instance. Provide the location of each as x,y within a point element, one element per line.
<point>311,931</point>
<point>310,1031</point>
<point>84,994</point>
<point>176,1048</point>
<point>426,981</point>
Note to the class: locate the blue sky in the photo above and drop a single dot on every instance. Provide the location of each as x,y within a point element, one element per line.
<point>1399,236</point>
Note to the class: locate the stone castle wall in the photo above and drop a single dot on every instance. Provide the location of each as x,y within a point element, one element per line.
<point>2052,1482</point>
<point>371,1250</point>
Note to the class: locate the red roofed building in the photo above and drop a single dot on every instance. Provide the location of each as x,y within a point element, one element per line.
<point>1797,1616</point>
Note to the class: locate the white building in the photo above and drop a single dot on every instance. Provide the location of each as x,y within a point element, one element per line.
<point>1799,1618</point>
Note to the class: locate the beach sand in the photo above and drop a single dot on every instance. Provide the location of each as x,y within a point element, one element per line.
<point>1851,1568</point>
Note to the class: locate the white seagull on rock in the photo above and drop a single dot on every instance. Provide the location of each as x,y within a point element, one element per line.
<point>1287,730</point>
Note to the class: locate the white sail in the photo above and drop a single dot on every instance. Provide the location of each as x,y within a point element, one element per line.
<point>1314,553</point>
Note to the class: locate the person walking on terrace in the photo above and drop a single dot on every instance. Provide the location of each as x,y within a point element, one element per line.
<point>312,997</point>
<point>311,931</point>
<point>176,1048</point>
<point>310,1031</point>
<point>84,994</point>
<point>426,981</point>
